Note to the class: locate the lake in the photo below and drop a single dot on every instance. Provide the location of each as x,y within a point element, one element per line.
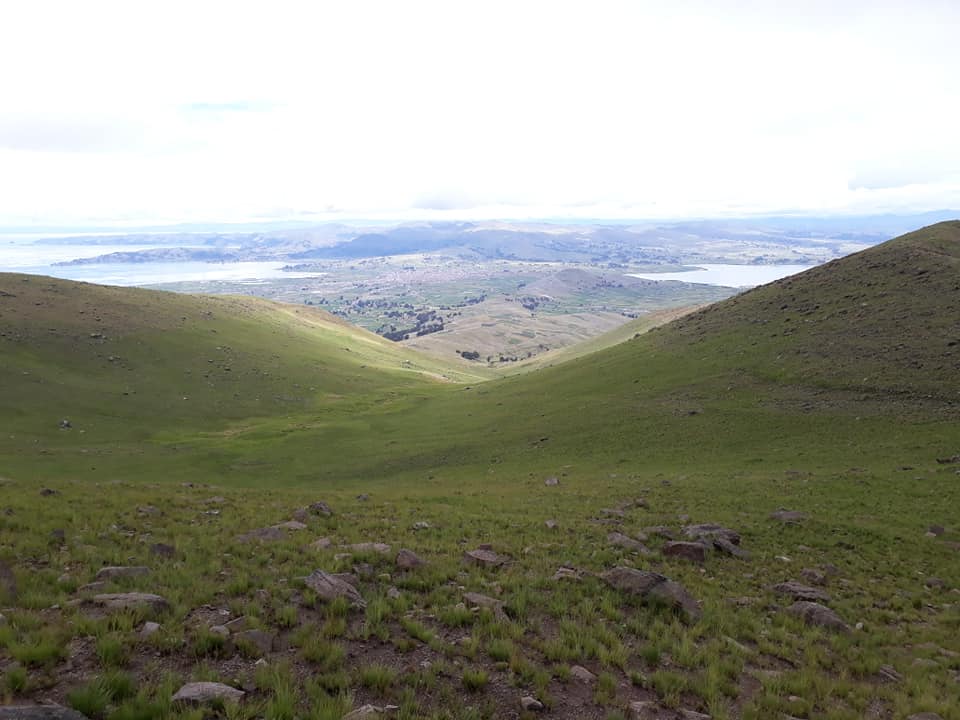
<point>26,257</point>
<point>738,276</point>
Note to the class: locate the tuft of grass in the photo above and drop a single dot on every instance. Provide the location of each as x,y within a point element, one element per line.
<point>377,677</point>
<point>475,680</point>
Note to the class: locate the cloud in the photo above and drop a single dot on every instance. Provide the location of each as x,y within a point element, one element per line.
<point>69,133</point>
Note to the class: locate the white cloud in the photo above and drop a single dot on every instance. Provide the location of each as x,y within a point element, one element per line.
<point>217,110</point>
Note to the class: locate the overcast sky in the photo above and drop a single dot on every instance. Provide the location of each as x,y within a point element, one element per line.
<point>166,111</point>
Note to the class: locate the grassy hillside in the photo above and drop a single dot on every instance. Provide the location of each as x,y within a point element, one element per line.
<point>832,393</point>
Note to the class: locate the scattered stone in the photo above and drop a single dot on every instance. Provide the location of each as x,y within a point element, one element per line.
<point>813,576</point>
<point>132,601</point>
<point>47,492</point>
<point>567,573</point>
<point>320,508</point>
<point>888,673</point>
<point>552,481</point>
<point>531,704</point>
<point>329,587</point>
<point>552,524</point>
<point>934,583</point>
<point>644,710</point>
<point>628,543</point>
<point>393,593</point>
<point>120,571</point>
<point>378,547</point>
<point>709,531</point>
<point>695,552</point>
<point>484,557</point>
<point>238,624</point>
<point>800,592</point>
<point>58,536</point>
<point>653,587</point>
<point>421,525</point>
<point>661,531</point>
<point>580,673</point>
<point>149,628</point>
<point>818,615</point>
<point>728,548</point>
<point>341,557</point>
<point>203,693</point>
<point>925,663</point>
<point>267,534</point>
<point>612,512</point>
<point>216,500</point>
<point>163,550</point>
<point>148,510</point>
<point>693,715</point>
<point>483,601</point>
<point>39,712</point>
<point>408,560</point>
<point>365,711</point>
<point>260,639</point>
<point>320,543</point>
<point>301,515</point>
<point>294,525</point>
<point>93,587</point>
<point>924,716</point>
<point>220,630</point>
<point>788,517</point>
<point>363,497</point>
<point>936,530</point>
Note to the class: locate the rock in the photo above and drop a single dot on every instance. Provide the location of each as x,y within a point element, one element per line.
<point>65,424</point>
<point>293,525</point>
<point>709,531</point>
<point>320,544</point>
<point>925,663</point>
<point>377,547</point>
<point>329,587</point>
<point>567,573</point>
<point>363,497</point>
<point>788,517</point>
<point>644,710</point>
<point>581,674</point>
<point>93,587</point>
<point>936,530</point>
<point>483,601</point>
<point>552,481</point>
<point>695,552</point>
<point>728,548</point>
<point>149,628</point>
<point>800,592</point>
<point>163,550</point>
<point>618,539</point>
<point>653,587</point>
<point>888,673</point>
<point>267,534</point>
<point>531,704</point>
<point>818,615</point>
<point>661,531</point>
<point>47,492</point>
<point>421,525</point>
<point>552,524</point>
<point>203,693</point>
<point>120,571</point>
<point>8,583</point>
<point>408,560</point>
<point>58,536</point>
<point>132,601</point>
<point>364,711</point>
<point>612,512</point>
<point>934,583</point>
<point>484,558</point>
<point>320,508</point>
<point>693,715</point>
<point>148,510</point>
<point>301,515</point>
<point>220,630</point>
<point>811,575</point>
<point>393,593</point>
<point>924,716</point>
<point>260,639</point>
<point>238,624</point>
<point>39,712</point>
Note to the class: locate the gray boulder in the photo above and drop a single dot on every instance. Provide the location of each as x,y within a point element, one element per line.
<point>818,615</point>
<point>204,693</point>
<point>654,588</point>
<point>39,712</point>
<point>330,587</point>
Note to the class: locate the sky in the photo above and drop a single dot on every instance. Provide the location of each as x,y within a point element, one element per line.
<point>144,112</point>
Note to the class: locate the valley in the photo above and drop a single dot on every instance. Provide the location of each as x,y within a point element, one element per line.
<point>738,509</point>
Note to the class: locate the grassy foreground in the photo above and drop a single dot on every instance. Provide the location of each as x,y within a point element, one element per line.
<point>833,394</point>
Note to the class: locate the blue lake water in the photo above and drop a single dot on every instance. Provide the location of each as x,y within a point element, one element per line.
<point>737,276</point>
